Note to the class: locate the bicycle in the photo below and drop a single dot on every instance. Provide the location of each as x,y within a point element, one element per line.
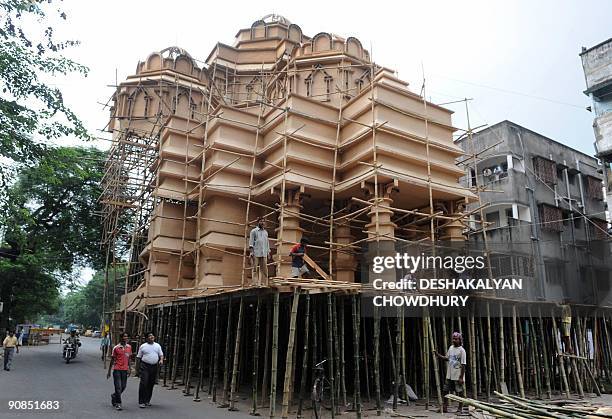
<point>319,386</point>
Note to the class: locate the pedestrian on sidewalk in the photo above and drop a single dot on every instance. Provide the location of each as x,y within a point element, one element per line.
<point>455,370</point>
<point>10,345</point>
<point>259,253</point>
<point>121,366</point>
<point>150,355</point>
<point>297,252</point>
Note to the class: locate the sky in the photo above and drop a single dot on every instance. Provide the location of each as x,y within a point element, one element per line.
<point>516,60</point>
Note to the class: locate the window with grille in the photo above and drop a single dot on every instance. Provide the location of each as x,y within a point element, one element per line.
<point>594,188</point>
<point>599,229</point>
<point>551,218</point>
<point>545,170</point>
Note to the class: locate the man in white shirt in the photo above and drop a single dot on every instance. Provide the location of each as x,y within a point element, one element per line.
<point>455,371</point>
<point>259,253</point>
<point>150,355</point>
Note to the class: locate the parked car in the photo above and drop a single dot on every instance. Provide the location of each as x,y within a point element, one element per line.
<point>96,334</point>
<point>88,333</point>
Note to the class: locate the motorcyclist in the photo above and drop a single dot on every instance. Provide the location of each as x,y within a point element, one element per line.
<point>73,340</point>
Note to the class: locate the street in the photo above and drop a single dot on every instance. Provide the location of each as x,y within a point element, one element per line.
<point>40,374</point>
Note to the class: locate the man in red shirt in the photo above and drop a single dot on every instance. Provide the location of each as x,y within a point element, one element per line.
<point>120,363</point>
<point>297,252</point>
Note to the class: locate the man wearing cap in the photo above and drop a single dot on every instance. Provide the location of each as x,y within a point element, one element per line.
<point>455,370</point>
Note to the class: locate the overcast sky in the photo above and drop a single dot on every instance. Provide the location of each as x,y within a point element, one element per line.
<point>518,60</point>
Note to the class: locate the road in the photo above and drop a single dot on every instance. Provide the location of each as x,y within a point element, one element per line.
<point>81,387</point>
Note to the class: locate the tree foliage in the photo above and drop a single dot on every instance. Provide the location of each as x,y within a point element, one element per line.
<point>52,224</point>
<point>84,305</point>
<point>51,210</point>
<point>32,111</point>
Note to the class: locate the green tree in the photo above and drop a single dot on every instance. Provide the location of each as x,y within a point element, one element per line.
<point>31,111</point>
<point>52,224</point>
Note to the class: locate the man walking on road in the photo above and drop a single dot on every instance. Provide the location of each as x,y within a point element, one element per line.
<point>120,363</point>
<point>259,252</point>
<point>150,355</point>
<point>10,344</point>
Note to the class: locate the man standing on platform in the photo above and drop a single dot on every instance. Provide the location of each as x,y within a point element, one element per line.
<point>259,253</point>
<point>297,252</point>
<point>150,355</point>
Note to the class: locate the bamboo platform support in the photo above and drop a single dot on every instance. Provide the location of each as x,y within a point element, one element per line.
<point>226,356</point>
<point>305,357</point>
<point>196,396</point>
<point>357,385</point>
<point>187,389</point>
<point>330,351</point>
<point>560,360</point>
<point>234,383</point>
<point>215,375</point>
<point>290,351</point>
<point>255,373</point>
<point>274,370</point>
<point>377,389</point>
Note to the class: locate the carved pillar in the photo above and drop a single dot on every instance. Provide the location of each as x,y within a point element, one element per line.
<point>345,263</point>
<point>381,230</point>
<point>291,232</point>
<point>453,230</point>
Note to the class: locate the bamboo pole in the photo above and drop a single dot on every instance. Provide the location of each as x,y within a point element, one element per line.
<point>273,372</point>
<point>264,382</point>
<point>393,363</point>
<point>215,373</point>
<point>534,357</point>
<point>517,357</point>
<point>255,373</point>
<point>545,355</point>
<point>377,360</point>
<point>473,360</point>
<point>226,356</point>
<point>330,352</point>
<point>435,363</point>
<point>560,360</point>
<point>484,363</point>
<point>196,396</point>
<point>366,369</point>
<point>175,348</point>
<point>235,367</point>
<point>342,360</point>
<point>485,407</point>
<point>289,358</point>
<point>502,352</point>
<point>187,389</point>
<point>305,357</point>
<point>167,339</point>
<point>489,352</point>
<point>337,389</point>
<point>357,389</point>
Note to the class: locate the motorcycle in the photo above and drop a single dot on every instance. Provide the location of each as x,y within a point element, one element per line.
<point>71,348</point>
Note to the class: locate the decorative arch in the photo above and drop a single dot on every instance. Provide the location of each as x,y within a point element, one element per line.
<point>183,64</point>
<point>321,42</point>
<point>154,62</point>
<point>353,47</point>
<point>258,29</point>
<point>295,33</point>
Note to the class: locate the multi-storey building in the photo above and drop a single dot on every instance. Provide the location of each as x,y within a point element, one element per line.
<point>597,65</point>
<point>545,212</point>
